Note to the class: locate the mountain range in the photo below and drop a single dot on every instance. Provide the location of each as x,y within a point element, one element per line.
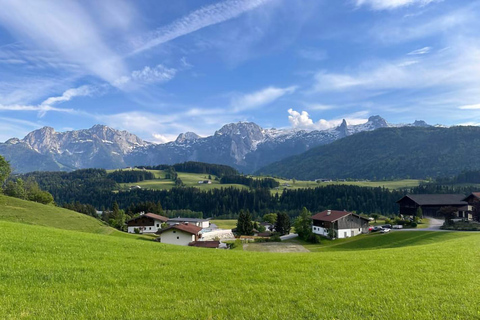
<point>388,153</point>
<point>243,145</point>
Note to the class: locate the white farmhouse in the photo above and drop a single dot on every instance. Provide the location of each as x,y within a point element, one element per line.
<point>146,223</point>
<point>340,224</point>
<point>180,234</point>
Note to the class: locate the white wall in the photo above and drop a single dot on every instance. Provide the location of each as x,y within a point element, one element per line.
<point>147,229</point>
<point>320,231</point>
<point>170,236</point>
<point>340,234</point>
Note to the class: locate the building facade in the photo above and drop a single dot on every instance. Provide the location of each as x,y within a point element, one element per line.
<point>338,224</point>
<point>146,223</point>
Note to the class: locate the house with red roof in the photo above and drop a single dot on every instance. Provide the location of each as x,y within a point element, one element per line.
<point>181,234</point>
<point>338,224</point>
<point>146,223</point>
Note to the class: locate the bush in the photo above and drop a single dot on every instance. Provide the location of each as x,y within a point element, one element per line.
<point>136,230</point>
<point>314,238</point>
<point>275,238</point>
<point>413,224</point>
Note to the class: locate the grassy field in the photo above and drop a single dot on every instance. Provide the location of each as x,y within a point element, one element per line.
<point>394,184</point>
<point>225,224</point>
<point>189,179</point>
<point>17,210</point>
<point>59,274</point>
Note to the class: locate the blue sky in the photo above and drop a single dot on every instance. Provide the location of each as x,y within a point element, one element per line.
<point>159,68</point>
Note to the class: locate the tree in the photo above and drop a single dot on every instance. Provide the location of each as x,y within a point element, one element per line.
<point>375,217</point>
<point>244,223</point>
<point>4,170</point>
<point>270,218</point>
<point>117,217</point>
<point>283,226</point>
<point>448,213</point>
<point>15,189</point>
<point>419,213</point>
<point>303,224</point>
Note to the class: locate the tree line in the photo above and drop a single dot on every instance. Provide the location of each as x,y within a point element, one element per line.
<point>130,176</point>
<point>250,182</point>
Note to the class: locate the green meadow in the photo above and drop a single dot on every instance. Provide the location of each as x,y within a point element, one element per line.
<point>188,179</point>
<point>191,180</point>
<point>59,273</point>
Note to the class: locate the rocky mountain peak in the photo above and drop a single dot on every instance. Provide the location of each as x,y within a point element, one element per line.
<point>420,123</point>
<point>377,122</point>
<point>186,137</point>
<point>343,129</point>
<point>244,129</point>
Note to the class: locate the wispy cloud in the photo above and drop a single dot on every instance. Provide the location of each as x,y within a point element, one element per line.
<point>260,98</point>
<point>66,28</point>
<point>312,54</point>
<point>48,104</point>
<point>423,50</point>
<point>196,20</point>
<point>391,4</point>
<point>470,107</point>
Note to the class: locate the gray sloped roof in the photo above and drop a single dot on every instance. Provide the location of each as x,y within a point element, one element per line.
<point>437,199</point>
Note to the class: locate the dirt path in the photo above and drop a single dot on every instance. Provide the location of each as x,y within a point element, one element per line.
<point>274,247</point>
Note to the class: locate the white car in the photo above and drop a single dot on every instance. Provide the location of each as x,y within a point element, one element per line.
<point>385,230</point>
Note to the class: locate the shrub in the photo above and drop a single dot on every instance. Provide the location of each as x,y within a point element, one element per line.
<point>413,224</point>
<point>136,230</point>
<point>275,238</point>
<point>314,238</point>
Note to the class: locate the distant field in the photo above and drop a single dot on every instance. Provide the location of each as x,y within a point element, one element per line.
<point>394,184</point>
<point>61,274</point>
<point>189,179</point>
<point>225,224</point>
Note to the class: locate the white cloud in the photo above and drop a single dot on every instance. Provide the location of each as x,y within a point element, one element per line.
<point>196,20</point>
<point>302,120</point>
<point>470,107</point>
<point>85,90</point>
<point>423,50</point>
<point>260,98</point>
<point>67,29</point>
<point>391,4</point>
<point>162,138</point>
<point>458,67</point>
<point>147,75</point>
<point>319,107</point>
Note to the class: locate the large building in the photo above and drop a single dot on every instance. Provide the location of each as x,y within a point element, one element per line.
<point>338,224</point>
<point>204,223</point>
<point>146,223</point>
<point>180,234</point>
<point>432,203</point>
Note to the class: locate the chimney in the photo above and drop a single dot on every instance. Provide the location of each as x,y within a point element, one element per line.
<point>329,212</point>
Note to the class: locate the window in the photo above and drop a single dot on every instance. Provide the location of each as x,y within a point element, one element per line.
<point>174,231</point>
<point>158,225</point>
<point>149,228</point>
<point>178,237</point>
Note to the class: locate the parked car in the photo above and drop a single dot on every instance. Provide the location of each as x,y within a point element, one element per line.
<point>385,230</point>
<point>388,226</point>
<point>397,226</point>
<point>375,229</point>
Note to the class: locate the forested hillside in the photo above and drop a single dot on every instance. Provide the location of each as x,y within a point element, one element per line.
<point>406,152</point>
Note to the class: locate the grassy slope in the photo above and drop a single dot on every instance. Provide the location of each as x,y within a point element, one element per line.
<point>16,210</point>
<point>225,224</point>
<point>52,273</point>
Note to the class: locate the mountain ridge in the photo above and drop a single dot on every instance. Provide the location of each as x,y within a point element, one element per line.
<point>245,146</point>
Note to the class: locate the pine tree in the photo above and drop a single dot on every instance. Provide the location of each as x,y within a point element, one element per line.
<point>303,224</point>
<point>244,223</point>
<point>283,226</point>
